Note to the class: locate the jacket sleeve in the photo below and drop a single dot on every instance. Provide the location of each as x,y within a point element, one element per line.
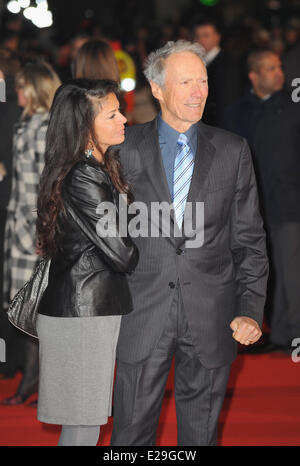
<point>248,243</point>
<point>84,191</point>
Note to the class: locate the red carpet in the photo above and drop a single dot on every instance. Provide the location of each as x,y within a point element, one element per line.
<point>262,407</point>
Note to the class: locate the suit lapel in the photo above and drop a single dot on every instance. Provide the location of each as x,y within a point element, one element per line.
<point>149,147</point>
<point>203,160</point>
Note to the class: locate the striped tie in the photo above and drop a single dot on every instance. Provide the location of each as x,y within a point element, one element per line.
<point>183,170</point>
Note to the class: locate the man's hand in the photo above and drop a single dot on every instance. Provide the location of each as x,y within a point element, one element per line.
<point>245,330</point>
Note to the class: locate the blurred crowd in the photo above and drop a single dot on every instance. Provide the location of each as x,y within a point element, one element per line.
<point>250,72</point>
<point>238,37</point>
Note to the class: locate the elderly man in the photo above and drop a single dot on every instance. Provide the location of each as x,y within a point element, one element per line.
<point>192,303</point>
<point>270,120</point>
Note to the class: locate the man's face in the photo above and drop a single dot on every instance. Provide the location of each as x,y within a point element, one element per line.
<point>269,78</point>
<point>207,36</point>
<point>183,95</point>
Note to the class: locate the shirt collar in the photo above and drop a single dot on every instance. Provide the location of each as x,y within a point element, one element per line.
<point>169,135</point>
<point>211,55</point>
<point>264,98</point>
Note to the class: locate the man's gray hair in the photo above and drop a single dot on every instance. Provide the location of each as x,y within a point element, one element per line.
<point>154,68</point>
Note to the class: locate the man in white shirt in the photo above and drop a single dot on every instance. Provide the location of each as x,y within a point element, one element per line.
<point>209,37</point>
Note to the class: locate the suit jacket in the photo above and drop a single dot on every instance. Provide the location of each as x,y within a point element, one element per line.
<point>224,278</point>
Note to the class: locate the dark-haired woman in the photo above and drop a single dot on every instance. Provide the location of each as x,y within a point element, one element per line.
<point>80,312</point>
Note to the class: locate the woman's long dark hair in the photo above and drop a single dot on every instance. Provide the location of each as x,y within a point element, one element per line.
<point>71,127</point>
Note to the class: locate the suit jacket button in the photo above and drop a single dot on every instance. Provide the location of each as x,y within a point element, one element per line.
<point>179,251</point>
<point>172,285</point>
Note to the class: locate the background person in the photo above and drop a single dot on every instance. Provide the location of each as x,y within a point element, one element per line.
<point>291,63</point>
<point>10,113</point>
<point>270,121</point>
<point>224,75</point>
<point>96,60</point>
<point>36,84</point>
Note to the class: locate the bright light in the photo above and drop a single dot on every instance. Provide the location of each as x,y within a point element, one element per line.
<point>24,3</point>
<point>29,12</point>
<point>13,7</point>
<point>42,4</point>
<point>128,84</point>
<point>42,19</point>
<point>39,15</point>
<point>209,2</point>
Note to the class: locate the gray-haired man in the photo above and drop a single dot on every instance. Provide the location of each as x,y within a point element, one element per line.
<point>187,301</point>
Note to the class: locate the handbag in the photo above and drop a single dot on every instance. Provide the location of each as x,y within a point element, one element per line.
<point>23,308</point>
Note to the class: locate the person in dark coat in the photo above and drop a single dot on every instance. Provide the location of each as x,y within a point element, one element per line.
<point>291,64</point>
<point>10,113</point>
<point>224,76</point>
<point>269,119</point>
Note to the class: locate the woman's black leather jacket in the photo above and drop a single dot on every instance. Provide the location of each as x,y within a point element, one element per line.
<point>87,277</point>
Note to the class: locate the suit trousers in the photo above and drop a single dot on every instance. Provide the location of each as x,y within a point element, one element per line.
<point>285,256</point>
<point>139,389</point>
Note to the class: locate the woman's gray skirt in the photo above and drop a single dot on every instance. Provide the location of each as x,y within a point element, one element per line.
<point>77,360</point>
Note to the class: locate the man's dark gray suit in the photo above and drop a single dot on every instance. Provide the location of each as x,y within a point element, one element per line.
<point>202,289</point>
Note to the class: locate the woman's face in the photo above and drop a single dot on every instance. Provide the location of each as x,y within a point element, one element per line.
<point>109,123</point>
